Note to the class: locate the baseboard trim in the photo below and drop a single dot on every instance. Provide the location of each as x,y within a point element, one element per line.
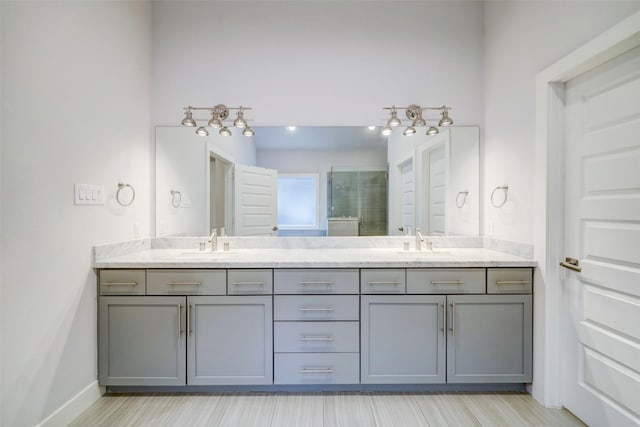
<point>74,407</point>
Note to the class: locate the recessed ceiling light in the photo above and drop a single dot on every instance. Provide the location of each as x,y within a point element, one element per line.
<point>291,128</point>
<point>372,128</point>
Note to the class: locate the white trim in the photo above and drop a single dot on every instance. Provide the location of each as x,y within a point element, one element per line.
<point>74,406</point>
<point>549,184</point>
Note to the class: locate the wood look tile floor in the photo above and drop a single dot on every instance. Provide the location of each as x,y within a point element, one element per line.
<point>323,410</point>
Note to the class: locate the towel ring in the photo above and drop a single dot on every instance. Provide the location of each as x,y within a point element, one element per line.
<point>174,203</point>
<point>464,195</point>
<point>504,188</point>
<point>133,194</point>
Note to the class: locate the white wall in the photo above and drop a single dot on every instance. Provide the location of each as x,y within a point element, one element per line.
<point>321,161</point>
<point>317,62</point>
<point>521,39</point>
<point>75,109</point>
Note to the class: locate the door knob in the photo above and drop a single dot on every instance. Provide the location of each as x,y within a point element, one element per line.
<point>275,228</point>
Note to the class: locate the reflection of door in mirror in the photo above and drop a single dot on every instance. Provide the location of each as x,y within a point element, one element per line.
<point>408,197</point>
<point>256,206</point>
<point>220,212</point>
<point>434,210</point>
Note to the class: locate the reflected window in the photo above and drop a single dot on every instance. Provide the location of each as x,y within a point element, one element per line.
<point>298,201</point>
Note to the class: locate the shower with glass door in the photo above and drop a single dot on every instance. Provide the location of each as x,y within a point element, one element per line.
<point>357,202</point>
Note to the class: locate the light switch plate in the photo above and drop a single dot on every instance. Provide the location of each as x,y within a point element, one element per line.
<point>86,194</point>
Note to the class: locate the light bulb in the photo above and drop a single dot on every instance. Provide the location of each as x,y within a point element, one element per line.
<point>202,131</point>
<point>386,131</point>
<point>248,131</point>
<point>410,130</point>
<point>432,130</point>
<point>240,122</point>
<point>224,131</point>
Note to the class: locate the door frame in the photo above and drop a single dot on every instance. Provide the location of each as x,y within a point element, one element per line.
<point>549,196</point>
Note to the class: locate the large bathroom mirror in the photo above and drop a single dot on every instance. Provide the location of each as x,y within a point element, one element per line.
<point>317,181</point>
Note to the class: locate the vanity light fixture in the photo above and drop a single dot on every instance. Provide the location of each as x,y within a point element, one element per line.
<point>202,131</point>
<point>219,113</point>
<point>414,113</point>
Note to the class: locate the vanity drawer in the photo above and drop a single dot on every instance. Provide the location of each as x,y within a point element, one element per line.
<point>381,281</point>
<point>316,281</point>
<point>122,282</point>
<point>509,280</point>
<point>316,337</point>
<point>446,281</point>
<point>250,282</point>
<point>316,368</point>
<point>316,307</point>
<point>186,282</point>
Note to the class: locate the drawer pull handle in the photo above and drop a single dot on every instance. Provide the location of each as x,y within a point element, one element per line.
<point>447,282</point>
<point>316,338</point>
<point>383,283</point>
<point>317,283</point>
<point>316,309</point>
<point>512,282</point>
<point>247,284</point>
<point>184,283</point>
<point>121,283</point>
<point>317,371</point>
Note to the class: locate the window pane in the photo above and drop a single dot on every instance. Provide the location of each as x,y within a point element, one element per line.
<point>297,201</point>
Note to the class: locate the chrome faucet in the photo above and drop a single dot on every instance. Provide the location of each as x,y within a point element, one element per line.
<point>213,239</point>
<point>419,239</point>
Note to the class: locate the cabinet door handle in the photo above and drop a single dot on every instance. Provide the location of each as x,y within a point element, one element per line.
<point>247,283</point>
<point>317,283</point>
<point>121,283</point>
<point>512,282</point>
<point>453,319</point>
<point>184,283</point>
<point>189,325</point>
<point>179,320</point>
<point>444,320</point>
<point>383,283</point>
<point>316,371</point>
<point>316,309</point>
<point>447,282</point>
<point>316,338</point>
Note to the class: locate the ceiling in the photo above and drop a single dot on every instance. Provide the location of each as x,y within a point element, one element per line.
<point>318,138</point>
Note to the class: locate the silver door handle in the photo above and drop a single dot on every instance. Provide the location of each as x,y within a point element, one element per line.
<point>275,228</point>
<point>179,320</point>
<point>121,283</point>
<point>512,282</point>
<point>571,264</point>
<point>444,320</point>
<point>317,283</point>
<point>453,319</point>
<point>189,326</point>
<point>315,309</point>
<point>447,282</point>
<point>316,338</point>
<point>383,283</point>
<point>184,283</point>
<point>317,371</point>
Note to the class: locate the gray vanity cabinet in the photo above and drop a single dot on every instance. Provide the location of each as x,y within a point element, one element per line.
<point>403,339</point>
<point>230,340</point>
<point>142,340</point>
<point>489,339</point>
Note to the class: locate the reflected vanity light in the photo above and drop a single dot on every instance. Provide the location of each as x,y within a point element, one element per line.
<point>219,113</point>
<point>414,113</point>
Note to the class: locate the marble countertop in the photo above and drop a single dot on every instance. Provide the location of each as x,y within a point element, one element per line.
<point>314,258</point>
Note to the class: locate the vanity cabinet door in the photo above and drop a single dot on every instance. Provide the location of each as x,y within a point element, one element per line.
<point>230,340</point>
<point>142,340</point>
<point>489,339</point>
<point>402,339</point>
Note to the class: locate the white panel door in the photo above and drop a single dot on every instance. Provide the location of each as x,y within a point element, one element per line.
<point>408,204</point>
<point>601,324</point>
<point>256,204</point>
